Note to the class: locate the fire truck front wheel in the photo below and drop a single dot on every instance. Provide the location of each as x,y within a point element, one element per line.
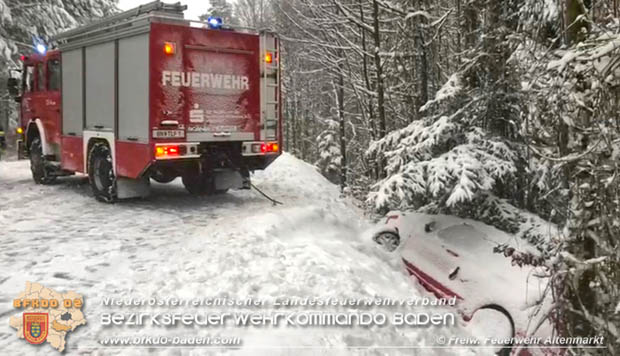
<point>101,174</point>
<point>40,173</point>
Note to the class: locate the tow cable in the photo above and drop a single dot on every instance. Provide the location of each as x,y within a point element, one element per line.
<point>275,202</point>
<point>272,200</point>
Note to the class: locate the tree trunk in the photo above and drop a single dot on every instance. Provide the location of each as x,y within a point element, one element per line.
<point>380,83</point>
<point>575,27</point>
<point>421,64</point>
<point>343,139</point>
<point>371,112</point>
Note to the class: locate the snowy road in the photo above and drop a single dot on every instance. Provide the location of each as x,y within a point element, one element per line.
<point>175,245</point>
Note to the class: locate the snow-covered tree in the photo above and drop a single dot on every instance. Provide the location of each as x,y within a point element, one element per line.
<point>24,22</point>
<point>223,9</point>
<point>574,98</point>
<point>464,147</point>
<point>256,14</point>
<point>445,159</point>
<point>330,157</point>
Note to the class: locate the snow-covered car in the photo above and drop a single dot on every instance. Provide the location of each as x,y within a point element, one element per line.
<point>458,258</point>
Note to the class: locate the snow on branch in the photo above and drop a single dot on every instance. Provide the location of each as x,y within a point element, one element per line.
<point>435,159</point>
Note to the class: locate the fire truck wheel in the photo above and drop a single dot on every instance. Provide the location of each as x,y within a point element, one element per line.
<point>197,184</point>
<point>163,176</point>
<point>37,164</point>
<point>101,174</point>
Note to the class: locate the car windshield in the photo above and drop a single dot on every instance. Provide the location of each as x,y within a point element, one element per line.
<point>465,236</point>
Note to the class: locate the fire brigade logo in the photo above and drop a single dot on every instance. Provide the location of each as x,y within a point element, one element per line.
<point>46,316</point>
<point>36,326</point>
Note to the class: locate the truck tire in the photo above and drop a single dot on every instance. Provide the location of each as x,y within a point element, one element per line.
<point>163,176</point>
<point>40,174</point>
<point>101,173</point>
<point>198,183</point>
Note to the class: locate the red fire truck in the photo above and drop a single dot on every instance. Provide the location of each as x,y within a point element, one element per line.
<point>146,94</point>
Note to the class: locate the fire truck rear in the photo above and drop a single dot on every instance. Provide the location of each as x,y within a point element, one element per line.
<point>146,94</point>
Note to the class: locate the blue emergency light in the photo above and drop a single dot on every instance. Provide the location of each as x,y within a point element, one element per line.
<point>40,47</point>
<point>215,23</point>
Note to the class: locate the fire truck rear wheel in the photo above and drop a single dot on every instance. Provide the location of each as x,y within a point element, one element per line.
<point>101,173</point>
<point>197,184</point>
<point>164,176</point>
<point>40,174</point>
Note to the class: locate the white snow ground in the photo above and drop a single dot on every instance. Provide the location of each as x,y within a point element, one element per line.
<point>176,245</point>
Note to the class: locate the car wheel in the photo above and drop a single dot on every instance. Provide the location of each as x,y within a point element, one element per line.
<point>495,323</point>
<point>387,240</point>
<point>101,173</point>
<point>40,173</point>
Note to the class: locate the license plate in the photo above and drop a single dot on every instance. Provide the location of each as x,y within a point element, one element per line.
<point>168,133</point>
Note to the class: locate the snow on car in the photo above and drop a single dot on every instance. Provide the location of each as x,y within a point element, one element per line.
<point>454,258</point>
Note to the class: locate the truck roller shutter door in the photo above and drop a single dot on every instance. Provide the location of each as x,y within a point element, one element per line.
<point>72,110</point>
<point>133,88</point>
<point>100,87</point>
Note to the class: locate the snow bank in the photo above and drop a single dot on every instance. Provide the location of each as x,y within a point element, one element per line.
<point>175,245</point>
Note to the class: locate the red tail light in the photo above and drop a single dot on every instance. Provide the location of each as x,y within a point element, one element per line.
<point>269,147</point>
<point>260,148</point>
<point>166,151</point>
<point>264,147</point>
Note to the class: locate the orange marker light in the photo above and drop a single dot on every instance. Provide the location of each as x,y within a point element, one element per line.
<point>268,57</point>
<point>20,130</point>
<point>169,48</point>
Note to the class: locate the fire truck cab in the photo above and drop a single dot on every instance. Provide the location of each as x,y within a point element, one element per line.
<point>146,94</point>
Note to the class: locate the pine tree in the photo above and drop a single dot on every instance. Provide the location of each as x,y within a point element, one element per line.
<point>23,23</point>
<point>254,13</point>
<point>330,157</point>
<point>223,9</point>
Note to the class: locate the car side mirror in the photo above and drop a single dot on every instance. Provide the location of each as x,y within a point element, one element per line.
<point>12,85</point>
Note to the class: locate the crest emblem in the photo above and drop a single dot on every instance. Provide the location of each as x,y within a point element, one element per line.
<point>36,326</point>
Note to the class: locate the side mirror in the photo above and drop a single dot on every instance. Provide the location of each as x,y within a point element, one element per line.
<point>12,85</point>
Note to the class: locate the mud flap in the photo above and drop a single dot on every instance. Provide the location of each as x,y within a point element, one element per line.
<point>21,151</point>
<point>133,188</point>
<point>228,179</point>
